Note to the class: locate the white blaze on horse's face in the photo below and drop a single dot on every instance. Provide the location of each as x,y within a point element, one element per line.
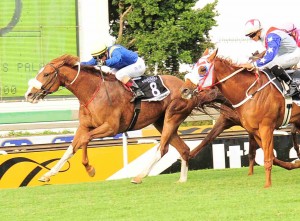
<point>33,83</point>
<point>194,76</point>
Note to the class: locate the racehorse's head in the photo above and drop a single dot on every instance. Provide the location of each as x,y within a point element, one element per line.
<point>47,81</point>
<point>200,70</point>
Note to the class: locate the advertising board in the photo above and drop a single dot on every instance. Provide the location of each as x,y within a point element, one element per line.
<point>32,33</point>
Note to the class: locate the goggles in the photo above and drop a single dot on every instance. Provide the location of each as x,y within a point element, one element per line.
<point>252,35</point>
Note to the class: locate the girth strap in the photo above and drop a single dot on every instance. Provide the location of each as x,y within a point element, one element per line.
<point>137,110</point>
<point>287,111</point>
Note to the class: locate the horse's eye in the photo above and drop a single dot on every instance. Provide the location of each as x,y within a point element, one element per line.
<point>202,69</point>
<point>46,74</point>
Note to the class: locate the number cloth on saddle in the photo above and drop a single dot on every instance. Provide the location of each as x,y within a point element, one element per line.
<point>153,88</point>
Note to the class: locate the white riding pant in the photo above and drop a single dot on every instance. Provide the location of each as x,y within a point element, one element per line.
<point>134,70</point>
<point>286,60</point>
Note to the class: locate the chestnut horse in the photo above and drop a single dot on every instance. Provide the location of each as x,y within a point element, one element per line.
<point>229,117</point>
<point>261,114</point>
<point>105,110</point>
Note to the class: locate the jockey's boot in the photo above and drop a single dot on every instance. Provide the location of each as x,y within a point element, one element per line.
<point>137,92</point>
<point>280,73</point>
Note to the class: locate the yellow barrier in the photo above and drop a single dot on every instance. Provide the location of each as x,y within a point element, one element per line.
<point>24,169</point>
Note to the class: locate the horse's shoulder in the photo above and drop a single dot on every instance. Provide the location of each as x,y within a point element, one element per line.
<point>109,77</point>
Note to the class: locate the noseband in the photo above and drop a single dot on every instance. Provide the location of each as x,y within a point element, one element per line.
<point>44,89</point>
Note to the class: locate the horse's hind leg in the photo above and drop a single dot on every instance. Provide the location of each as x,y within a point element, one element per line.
<point>169,135</point>
<point>138,179</point>
<point>184,152</point>
<point>252,153</point>
<point>294,131</point>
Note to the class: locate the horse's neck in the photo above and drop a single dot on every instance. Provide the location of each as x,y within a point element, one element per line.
<point>237,87</point>
<point>85,86</point>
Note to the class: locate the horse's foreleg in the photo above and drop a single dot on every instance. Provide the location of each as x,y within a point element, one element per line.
<point>54,170</point>
<point>266,135</point>
<point>85,161</point>
<point>84,137</point>
<point>170,136</point>
<point>158,155</point>
<point>184,152</point>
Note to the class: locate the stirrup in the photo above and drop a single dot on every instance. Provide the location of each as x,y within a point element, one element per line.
<point>138,94</point>
<point>290,93</point>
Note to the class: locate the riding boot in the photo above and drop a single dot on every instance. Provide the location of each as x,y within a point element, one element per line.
<point>137,92</point>
<point>280,73</point>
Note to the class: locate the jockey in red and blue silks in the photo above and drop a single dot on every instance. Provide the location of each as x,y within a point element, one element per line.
<point>281,52</point>
<point>124,63</point>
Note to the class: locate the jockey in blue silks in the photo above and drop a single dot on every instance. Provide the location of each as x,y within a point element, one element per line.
<point>124,63</point>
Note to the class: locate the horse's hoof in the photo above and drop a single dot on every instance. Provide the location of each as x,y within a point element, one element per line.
<point>91,171</point>
<point>44,179</point>
<point>181,181</point>
<point>136,180</point>
<point>297,163</point>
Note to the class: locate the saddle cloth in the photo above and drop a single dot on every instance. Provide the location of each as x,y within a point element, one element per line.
<point>153,87</point>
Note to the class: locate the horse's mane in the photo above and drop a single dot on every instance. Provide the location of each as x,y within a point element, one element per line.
<point>72,61</point>
<point>233,65</point>
<point>227,61</point>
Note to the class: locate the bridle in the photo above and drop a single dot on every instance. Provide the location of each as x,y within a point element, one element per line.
<point>51,82</point>
<point>45,89</point>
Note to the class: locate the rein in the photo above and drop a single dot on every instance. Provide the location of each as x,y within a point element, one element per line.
<point>93,97</point>
<point>251,95</point>
<point>229,76</point>
<point>110,103</point>
<point>257,76</point>
<point>78,64</point>
<point>47,91</point>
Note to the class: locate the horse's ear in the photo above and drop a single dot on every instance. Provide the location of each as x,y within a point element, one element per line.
<point>212,56</point>
<point>206,52</point>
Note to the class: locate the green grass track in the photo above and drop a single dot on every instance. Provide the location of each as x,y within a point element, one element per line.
<point>208,195</point>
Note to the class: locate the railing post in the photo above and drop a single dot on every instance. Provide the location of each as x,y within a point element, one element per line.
<point>125,150</point>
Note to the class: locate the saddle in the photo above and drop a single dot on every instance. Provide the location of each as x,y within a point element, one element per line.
<point>282,87</point>
<point>280,84</point>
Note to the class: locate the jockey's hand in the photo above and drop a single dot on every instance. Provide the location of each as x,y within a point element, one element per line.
<point>247,65</point>
<point>105,69</point>
<point>100,62</point>
<point>256,55</point>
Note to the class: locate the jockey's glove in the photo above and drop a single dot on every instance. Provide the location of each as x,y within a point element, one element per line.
<point>100,63</point>
<point>105,69</point>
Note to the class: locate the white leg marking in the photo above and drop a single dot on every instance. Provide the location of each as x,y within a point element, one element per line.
<point>183,171</point>
<point>54,170</point>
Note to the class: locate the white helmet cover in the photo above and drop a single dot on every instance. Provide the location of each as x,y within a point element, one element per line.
<point>252,26</point>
